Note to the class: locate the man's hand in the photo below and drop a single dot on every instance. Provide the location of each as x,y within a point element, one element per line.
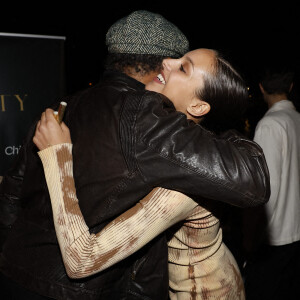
<point>48,132</point>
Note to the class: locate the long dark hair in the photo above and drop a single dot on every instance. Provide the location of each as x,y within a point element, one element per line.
<point>227,93</point>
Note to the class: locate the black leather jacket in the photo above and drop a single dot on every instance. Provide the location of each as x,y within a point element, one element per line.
<point>126,141</point>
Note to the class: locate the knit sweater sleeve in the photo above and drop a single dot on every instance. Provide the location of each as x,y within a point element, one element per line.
<point>84,253</point>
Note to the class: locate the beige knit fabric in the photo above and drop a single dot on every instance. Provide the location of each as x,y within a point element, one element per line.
<point>200,265</point>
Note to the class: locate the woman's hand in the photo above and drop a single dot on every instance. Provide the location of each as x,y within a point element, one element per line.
<point>48,132</point>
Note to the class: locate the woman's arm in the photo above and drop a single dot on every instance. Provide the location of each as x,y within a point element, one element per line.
<point>85,254</point>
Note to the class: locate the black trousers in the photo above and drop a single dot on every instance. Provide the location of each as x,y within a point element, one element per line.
<point>274,273</point>
<point>12,291</point>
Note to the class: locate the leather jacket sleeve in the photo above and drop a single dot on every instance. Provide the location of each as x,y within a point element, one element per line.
<point>11,188</point>
<point>178,154</point>
<point>10,196</point>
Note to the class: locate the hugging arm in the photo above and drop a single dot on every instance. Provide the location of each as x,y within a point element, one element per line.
<point>85,254</point>
<point>228,168</point>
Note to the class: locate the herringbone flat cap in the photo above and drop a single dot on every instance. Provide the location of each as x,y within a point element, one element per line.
<point>144,32</point>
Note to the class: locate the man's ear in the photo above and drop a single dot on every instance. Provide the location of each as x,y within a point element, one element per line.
<point>261,88</point>
<point>198,108</point>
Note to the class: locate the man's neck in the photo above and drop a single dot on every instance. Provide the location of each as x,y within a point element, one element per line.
<point>139,77</point>
<point>274,98</point>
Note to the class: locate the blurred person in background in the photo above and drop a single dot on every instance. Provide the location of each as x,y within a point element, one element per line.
<point>272,271</point>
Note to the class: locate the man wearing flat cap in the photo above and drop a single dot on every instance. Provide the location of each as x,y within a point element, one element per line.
<point>121,150</point>
<point>138,43</point>
<point>107,184</point>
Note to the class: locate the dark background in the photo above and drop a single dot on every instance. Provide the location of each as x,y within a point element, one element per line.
<point>249,34</point>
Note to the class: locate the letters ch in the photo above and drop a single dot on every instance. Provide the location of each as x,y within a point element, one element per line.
<point>3,98</point>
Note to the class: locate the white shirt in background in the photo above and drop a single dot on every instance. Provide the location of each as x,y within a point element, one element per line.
<point>278,133</point>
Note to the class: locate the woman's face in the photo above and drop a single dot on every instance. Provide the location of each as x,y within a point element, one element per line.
<point>181,77</point>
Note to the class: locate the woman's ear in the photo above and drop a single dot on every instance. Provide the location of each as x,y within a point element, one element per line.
<point>198,108</point>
